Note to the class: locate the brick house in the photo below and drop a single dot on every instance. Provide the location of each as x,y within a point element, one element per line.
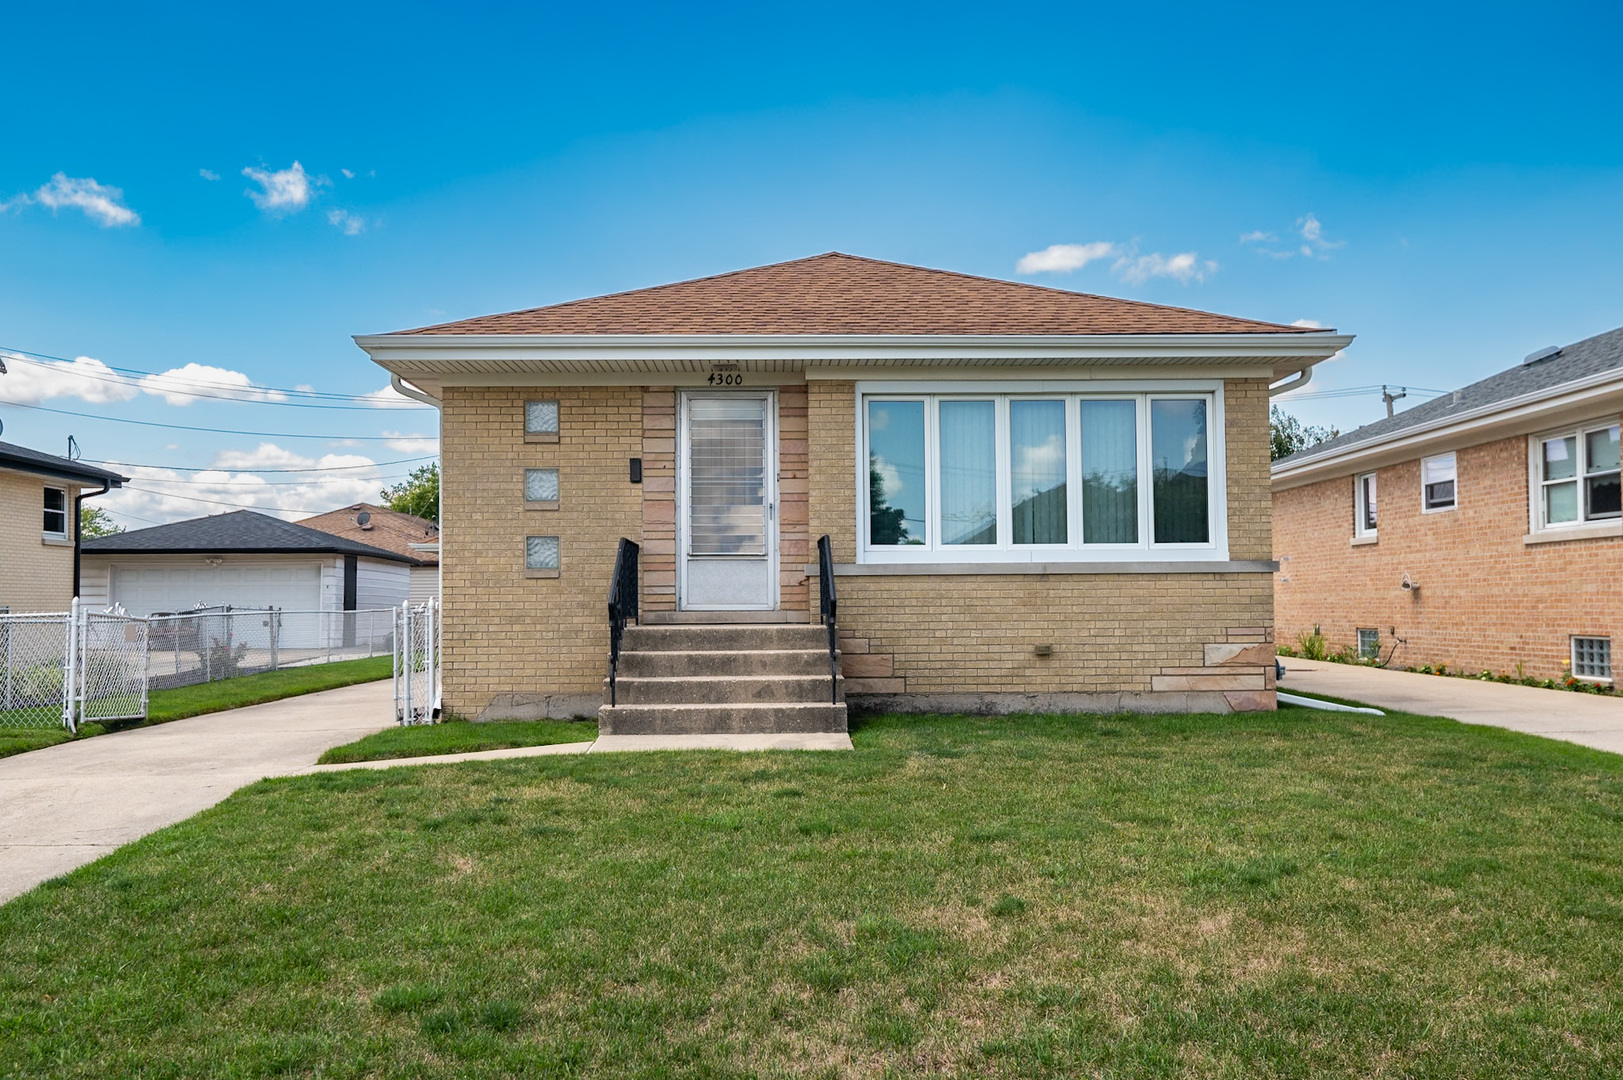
<point>1498,504</point>
<point>39,526</point>
<point>1036,499</point>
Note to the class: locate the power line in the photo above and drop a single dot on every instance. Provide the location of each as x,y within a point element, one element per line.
<point>273,483</point>
<point>219,502</point>
<point>39,360</point>
<point>212,430</point>
<point>222,468</point>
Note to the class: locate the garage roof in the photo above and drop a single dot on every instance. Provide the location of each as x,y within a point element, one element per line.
<point>241,532</point>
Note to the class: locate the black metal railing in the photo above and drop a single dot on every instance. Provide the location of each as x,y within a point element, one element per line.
<point>622,604</point>
<point>828,608</point>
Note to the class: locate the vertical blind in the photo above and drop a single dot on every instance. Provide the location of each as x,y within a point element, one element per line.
<point>727,480</point>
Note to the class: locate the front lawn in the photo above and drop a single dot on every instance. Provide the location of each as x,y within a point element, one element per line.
<point>20,740</point>
<point>1303,894</point>
<point>459,737</point>
<point>184,701</point>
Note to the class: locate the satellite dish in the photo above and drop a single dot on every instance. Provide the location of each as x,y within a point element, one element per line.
<point>363,519</point>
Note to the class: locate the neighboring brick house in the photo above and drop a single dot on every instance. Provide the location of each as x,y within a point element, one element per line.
<point>39,526</point>
<point>1497,503</point>
<point>403,534</point>
<point>1037,499</point>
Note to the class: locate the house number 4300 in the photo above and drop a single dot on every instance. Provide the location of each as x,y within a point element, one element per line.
<point>729,379</point>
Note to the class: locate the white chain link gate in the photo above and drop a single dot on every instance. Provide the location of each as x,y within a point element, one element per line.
<point>417,663</point>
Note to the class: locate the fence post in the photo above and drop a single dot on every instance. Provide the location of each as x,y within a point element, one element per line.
<point>275,636</point>
<point>70,682</point>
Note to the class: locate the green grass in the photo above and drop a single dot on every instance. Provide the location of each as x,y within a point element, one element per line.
<point>21,740</point>
<point>1295,895</point>
<point>184,701</point>
<point>459,737</point>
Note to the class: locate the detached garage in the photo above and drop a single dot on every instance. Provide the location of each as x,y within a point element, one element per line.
<point>242,560</point>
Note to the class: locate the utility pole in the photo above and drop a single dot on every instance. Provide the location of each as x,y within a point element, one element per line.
<point>1389,397</point>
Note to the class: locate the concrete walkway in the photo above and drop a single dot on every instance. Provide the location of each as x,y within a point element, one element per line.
<point>1587,719</point>
<point>70,804</point>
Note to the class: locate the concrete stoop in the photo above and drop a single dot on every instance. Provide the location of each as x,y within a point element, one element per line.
<point>732,679</point>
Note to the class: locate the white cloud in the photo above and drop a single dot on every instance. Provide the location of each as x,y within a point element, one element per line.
<point>1183,267</point>
<point>1064,258</point>
<point>411,444</point>
<point>101,203</point>
<point>16,202</point>
<point>350,224</point>
<point>1313,233</point>
<point>347,174</point>
<point>390,398</point>
<point>1258,237</point>
<point>31,381</point>
<point>283,191</point>
<point>184,385</point>
<point>167,495</point>
<point>208,174</point>
<point>1311,324</point>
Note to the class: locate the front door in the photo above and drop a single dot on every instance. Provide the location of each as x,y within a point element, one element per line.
<point>727,529</point>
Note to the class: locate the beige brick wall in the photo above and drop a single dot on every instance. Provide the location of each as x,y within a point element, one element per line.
<point>508,639</point>
<point>1138,637</point>
<point>1487,600</point>
<point>34,575</point>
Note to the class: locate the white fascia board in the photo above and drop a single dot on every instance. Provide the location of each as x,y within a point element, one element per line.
<point>1595,395</point>
<point>405,353</point>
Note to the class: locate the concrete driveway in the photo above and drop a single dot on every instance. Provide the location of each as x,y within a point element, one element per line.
<point>1588,719</point>
<point>67,805</point>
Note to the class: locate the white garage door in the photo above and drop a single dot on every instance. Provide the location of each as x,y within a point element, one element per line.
<point>183,586</point>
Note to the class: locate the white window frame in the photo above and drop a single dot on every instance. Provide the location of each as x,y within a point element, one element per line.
<point>1375,651</point>
<point>1455,505</point>
<point>1572,658</point>
<point>1003,392</point>
<point>67,514</point>
<point>1360,496</point>
<point>1536,482</point>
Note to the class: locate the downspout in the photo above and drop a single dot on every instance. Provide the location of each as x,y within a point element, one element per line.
<point>1303,377</point>
<point>79,528</point>
<point>417,395</point>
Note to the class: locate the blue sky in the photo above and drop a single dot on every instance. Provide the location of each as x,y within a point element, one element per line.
<point>1445,182</point>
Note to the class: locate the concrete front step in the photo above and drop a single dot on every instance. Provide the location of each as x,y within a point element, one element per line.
<point>725,690</point>
<point>696,719</point>
<point>726,662</point>
<point>725,638</point>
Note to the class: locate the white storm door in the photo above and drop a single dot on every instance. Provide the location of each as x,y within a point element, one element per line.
<point>727,528</point>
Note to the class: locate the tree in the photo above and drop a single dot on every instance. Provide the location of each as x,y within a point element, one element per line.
<point>885,524</point>
<point>418,494</point>
<point>94,522</point>
<point>1291,435</point>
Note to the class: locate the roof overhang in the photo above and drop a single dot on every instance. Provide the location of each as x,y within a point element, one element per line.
<point>68,476</point>
<point>430,361</point>
<point>1581,399</point>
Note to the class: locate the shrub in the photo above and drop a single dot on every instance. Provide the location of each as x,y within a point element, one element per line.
<point>1313,645</point>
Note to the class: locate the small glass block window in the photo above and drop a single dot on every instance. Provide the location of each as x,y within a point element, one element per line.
<point>541,418</point>
<point>1369,644</point>
<point>1592,658</point>
<point>540,553</point>
<point>541,485</point>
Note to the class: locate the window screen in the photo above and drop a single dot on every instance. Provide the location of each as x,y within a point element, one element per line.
<point>727,481</point>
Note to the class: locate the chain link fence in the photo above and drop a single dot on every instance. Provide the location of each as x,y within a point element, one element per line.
<point>58,669</point>
<point>417,663</point>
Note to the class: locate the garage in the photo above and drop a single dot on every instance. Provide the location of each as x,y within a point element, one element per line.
<point>142,590</point>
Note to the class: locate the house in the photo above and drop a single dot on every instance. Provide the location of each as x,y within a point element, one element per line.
<point>1036,499</point>
<point>403,534</point>
<point>245,560</point>
<point>1480,530</point>
<point>39,526</point>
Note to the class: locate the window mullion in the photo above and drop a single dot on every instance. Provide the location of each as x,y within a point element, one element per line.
<point>1073,471</point>
<point>1002,432</point>
<point>932,479</point>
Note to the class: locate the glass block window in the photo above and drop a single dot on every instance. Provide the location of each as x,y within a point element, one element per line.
<point>1592,658</point>
<point>541,485</point>
<point>1369,644</point>
<point>540,553</point>
<point>541,418</point>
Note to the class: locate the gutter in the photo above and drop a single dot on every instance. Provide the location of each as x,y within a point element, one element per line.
<point>1303,377</point>
<point>415,394</point>
<point>79,528</point>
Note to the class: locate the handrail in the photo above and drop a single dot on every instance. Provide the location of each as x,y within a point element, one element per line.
<point>622,604</point>
<point>827,608</point>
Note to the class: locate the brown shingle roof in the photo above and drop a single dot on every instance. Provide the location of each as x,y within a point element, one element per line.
<point>390,530</point>
<point>845,294</point>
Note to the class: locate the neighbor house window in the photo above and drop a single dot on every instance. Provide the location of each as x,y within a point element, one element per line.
<point>989,476</point>
<point>1578,476</point>
<point>1592,658</point>
<point>540,421</point>
<point>1364,510</point>
<point>56,512</point>
<point>1369,644</point>
<point>541,489</point>
<point>1437,477</point>
<point>541,556</point>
